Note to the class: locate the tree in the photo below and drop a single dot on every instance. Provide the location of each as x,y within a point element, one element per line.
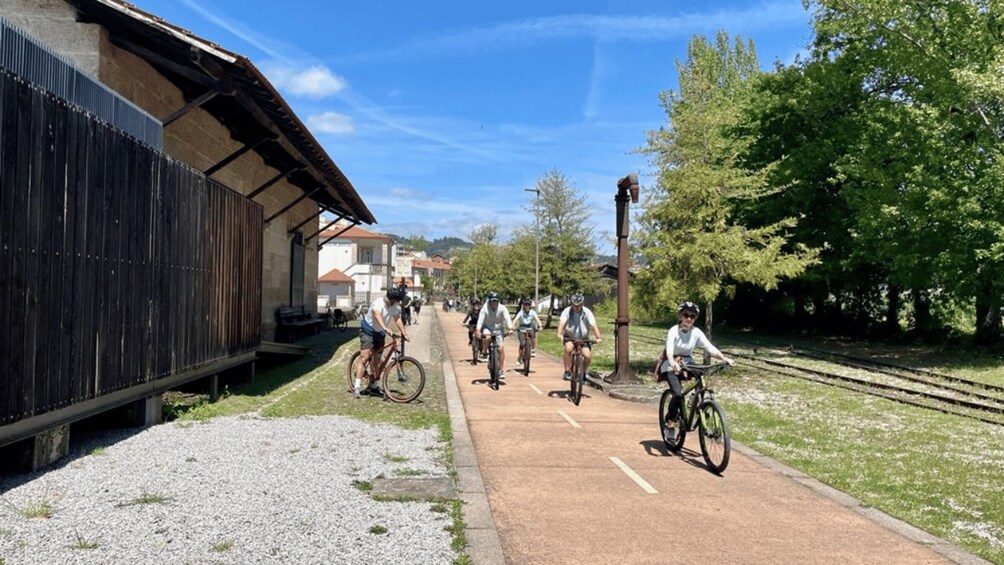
<point>687,231</point>
<point>927,178</point>
<point>566,246</point>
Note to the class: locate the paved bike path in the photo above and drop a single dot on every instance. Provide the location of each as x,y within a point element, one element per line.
<point>593,484</point>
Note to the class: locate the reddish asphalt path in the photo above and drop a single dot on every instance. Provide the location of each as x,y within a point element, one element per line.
<point>558,495</point>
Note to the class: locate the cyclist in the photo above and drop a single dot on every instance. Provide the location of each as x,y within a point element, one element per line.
<point>575,322</point>
<point>490,320</point>
<point>527,319</point>
<point>681,340</point>
<point>373,328</point>
<point>471,319</point>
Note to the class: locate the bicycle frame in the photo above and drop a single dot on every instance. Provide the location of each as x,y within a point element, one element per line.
<point>693,395</point>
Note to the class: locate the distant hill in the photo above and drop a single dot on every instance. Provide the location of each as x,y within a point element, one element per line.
<point>443,246</point>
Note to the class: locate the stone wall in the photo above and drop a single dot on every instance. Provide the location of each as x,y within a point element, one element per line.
<point>196,139</point>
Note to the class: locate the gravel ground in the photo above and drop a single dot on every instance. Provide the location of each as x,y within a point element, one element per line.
<point>230,490</point>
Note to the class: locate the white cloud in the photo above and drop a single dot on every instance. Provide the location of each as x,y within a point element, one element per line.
<point>314,82</point>
<point>331,122</point>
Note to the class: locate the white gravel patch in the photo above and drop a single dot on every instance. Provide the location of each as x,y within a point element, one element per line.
<point>231,490</point>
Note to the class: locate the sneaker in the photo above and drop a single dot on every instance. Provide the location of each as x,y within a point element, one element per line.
<point>356,393</point>
<point>374,391</point>
<point>567,376</point>
<point>533,354</point>
<point>501,374</point>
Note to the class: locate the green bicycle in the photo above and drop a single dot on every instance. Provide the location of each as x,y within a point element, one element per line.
<point>698,411</point>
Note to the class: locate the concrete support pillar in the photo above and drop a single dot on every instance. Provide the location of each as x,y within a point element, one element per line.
<point>145,412</point>
<point>214,387</point>
<point>44,449</point>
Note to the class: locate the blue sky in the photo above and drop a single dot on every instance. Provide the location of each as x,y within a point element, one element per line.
<point>442,113</point>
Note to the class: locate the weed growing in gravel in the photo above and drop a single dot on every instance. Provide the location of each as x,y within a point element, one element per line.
<point>37,509</point>
<point>294,450</point>
<point>364,486</point>
<point>83,543</point>
<point>439,508</point>
<point>146,498</point>
<point>391,458</point>
<point>459,530</point>
<point>223,546</point>
<point>406,472</point>
<point>378,529</point>
<point>99,451</point>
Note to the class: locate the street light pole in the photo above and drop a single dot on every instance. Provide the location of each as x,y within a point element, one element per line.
<point>536,254</point>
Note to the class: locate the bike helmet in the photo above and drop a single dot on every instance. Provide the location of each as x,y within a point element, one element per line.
<point>395,293</point>
<point>688,306</point>
<point>577,299</point>
<point>475,301</point>
<point>526,302</point>
<point>493,296</point>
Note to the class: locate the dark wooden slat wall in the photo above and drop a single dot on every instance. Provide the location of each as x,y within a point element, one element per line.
<point>118,265</point>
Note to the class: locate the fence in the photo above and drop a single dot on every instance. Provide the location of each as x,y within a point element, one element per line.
<point>118,265</point>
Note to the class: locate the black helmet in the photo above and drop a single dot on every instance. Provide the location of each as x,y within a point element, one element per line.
<point>493,296</point>
<point>688,305</point>
<point>394,293</point>
<point>577,299</point>
<point>475,301</point>
<point>526,302</point>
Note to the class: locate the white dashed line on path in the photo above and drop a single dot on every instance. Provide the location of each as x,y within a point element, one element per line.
<point>634,476</point>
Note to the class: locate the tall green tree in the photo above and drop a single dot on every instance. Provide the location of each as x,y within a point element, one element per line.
<point>567,244</point>
<point>688,235</point>
<point>926,178</point>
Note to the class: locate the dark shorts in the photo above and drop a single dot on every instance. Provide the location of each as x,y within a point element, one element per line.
<point>368,341</point>
<point>567,339</point>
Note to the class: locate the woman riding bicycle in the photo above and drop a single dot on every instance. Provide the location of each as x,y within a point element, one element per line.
<point>574,324</point>
<point>527,319</point>
<point>471,319</point>
<point>373,328</point>
<point>681,340</point>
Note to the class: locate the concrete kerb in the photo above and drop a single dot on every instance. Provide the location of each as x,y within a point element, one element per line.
<point>483,544</point>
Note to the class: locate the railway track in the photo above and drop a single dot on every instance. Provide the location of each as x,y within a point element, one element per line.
<point>916,387</point>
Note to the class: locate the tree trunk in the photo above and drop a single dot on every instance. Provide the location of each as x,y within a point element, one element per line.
<point>922,321</point>
<point>988,314</point>
<point>550,308</point>
<point>709,318</point>
<point>892,310</point>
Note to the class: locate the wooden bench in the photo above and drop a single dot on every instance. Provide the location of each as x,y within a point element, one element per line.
<point>294,322</point>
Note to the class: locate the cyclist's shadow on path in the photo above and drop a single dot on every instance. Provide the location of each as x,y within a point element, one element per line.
<point>657,448</point>
<point>485,380</point>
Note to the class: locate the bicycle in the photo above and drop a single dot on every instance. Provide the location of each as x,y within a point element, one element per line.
<point>402,378</point>
<point>494,371</point>
<point>475,344</point>
<point>526,350</point>
<point>699,410</point>
<point>578,369</point>
<point>339,320</point>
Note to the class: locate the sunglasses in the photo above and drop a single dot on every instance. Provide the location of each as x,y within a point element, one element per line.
<point>688,316</point>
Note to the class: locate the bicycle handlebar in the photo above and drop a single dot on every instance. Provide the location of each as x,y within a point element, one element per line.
<point>706,370</point>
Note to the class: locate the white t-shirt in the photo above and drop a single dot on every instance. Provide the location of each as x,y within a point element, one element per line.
<point>577,324</point>
<point>527,320</point>
<point>492,320</point>
<point>684,343</point>
<point>387,313</point>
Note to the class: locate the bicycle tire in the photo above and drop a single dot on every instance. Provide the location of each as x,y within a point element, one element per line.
<point>525,352</point>
<point>672,436</point>
<point>403,380</point>
<point>493,370</point>
<point>475,350</point>
<point>714,433</point>
<point>577,377</point>
<point>353,361</point>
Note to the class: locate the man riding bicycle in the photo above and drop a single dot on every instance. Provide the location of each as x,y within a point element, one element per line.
<point>681,340</point>
<point>373,328</point>
<point>490,321</point>
<point>574,324</point>
<point>527,319</point>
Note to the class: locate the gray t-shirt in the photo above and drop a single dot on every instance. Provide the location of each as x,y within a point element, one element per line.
<point>577,324</point>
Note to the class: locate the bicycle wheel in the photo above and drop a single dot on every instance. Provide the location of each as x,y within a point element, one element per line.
<point>353,363</point>
<point>524,352</point>
<point>577,378</point>
<point>493,367</point>
<point>674,435</point>
<point>403,380</point>
<point>714,430</point>
<point>475,351</point>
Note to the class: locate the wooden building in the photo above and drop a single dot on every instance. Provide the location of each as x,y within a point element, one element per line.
<point>158,203</point>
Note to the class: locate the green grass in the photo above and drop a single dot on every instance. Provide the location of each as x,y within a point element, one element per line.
<point>223,546</point>
<point>99,451</point>
<point>83,543</point>
<point>391,458</point>
<point>37,509</point>
<point>378,529</point>
<point>364,486</point>
<point>408,472</point>
<point>147,498</point>
<point>939,472</point>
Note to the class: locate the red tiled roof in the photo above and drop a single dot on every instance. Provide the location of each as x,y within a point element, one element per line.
<point>355,232</point>
<point>430,264</point>
<point>336,276</point>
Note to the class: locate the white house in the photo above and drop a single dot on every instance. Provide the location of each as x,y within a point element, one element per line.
<point>365,257</point>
